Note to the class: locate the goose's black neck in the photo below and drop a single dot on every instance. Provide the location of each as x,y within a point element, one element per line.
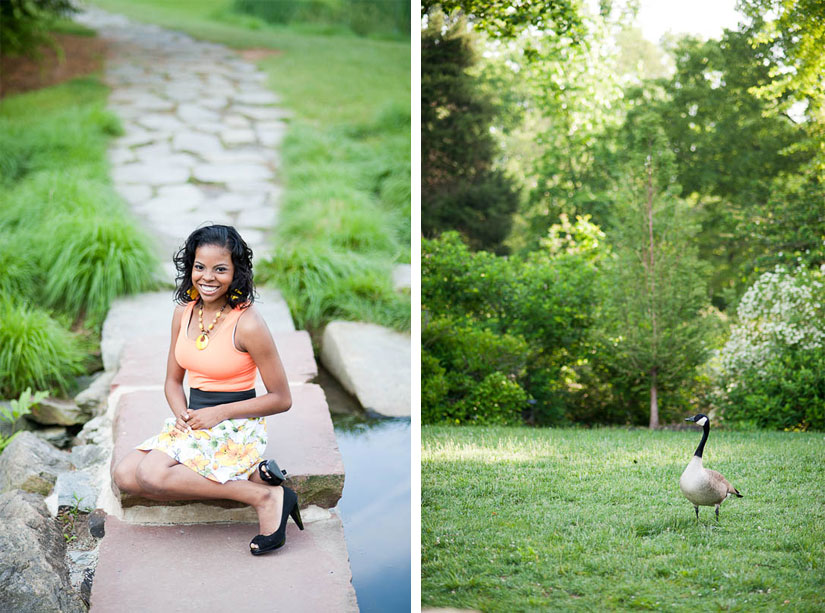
<point>701,448</point>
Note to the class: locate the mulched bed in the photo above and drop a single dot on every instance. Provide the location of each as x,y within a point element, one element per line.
<point>81,55</point>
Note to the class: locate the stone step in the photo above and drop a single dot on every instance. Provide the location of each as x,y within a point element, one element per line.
<point>208,567</point>
<point>302,441</point>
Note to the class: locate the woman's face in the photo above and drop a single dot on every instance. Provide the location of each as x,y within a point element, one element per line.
<point>212,273</point>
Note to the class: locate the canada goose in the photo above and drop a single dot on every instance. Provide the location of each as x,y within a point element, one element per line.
<point>700,485</point>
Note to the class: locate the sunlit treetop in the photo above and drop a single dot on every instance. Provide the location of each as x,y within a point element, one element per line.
<point>506,18</point>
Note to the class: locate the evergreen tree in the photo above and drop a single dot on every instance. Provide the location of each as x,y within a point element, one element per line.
<point>655,286</point>
<point>460,188</point>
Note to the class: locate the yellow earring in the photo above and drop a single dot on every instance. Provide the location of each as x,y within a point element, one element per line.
<point>193,293</point>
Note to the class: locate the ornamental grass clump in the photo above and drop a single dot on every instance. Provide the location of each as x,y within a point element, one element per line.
<point>93,260</point>
<point>35,350</point>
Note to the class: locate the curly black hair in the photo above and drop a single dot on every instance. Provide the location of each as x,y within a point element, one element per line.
<point>242,289</point>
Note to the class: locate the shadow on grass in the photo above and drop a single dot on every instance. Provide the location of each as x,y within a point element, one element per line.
<point>687,523</point>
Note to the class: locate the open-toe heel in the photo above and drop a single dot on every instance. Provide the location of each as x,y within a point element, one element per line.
<point>264,543</point>
<point>271,473</point>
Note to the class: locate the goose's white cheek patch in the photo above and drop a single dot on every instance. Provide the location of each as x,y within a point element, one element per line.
<point>702,421</point>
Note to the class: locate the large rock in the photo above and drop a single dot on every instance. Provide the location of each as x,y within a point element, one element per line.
<point>372,363</point>
<point>59,412</point>
<point>93,399</point>
<point>77,489</point>
<point>31,464</point>
<point>33,568</point>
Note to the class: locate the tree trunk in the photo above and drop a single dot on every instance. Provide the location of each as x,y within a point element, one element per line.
<point>654,401</point>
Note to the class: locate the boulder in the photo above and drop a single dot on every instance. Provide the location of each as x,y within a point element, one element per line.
<point>7,428</point>
<point>97,431</point>
<point>372,363</point>
<point>76,489</point>
<point>59,412</point>
<point>84,456</point>
<point>54,435</point>
<point>31,464</point>
<point>33,566</point>
<point>94,398</point>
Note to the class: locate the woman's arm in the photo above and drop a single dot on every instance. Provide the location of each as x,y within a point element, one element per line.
<point>252,335</point>
<point>173,386</point>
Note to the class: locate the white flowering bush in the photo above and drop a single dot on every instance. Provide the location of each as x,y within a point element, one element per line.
<point>771,368</point>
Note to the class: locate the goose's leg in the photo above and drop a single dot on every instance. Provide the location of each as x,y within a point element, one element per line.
<point>717,513</point>
<point>696,508</point>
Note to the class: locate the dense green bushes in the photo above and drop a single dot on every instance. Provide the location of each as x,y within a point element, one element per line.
<point>497,332</point>
<point>68,246</point>
<point>24,24</point>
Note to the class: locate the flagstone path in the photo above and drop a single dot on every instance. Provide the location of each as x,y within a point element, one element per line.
<point>200,145</point>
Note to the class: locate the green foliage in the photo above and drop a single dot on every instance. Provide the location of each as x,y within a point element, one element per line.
<point>655,288</point>
<point>519,318</point>
<point>344,221</point>
<point>497,400</point>
<point>35,350</point>
<point>504,19</point>
<point>731,151</point>
<point>552,519</point>
<point>363,17</point>
<point>461,190</point>
<point>18,408</point>
<point>321,283</point>
<point>25,24</point>
<point>91,260</point>
<point>786,392</point>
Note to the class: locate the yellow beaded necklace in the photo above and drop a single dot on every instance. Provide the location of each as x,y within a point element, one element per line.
<point>203,340</point>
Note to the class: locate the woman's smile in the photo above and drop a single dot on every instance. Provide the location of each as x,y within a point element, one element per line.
<point>212,272</point>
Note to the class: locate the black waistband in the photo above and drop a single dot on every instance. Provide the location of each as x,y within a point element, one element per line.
<point>199,399</point>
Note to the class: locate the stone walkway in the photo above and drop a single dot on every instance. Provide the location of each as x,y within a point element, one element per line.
<point>201,132</point>
<point>200,146</point>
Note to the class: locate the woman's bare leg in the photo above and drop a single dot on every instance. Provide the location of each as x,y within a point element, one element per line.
<point>158,476</point>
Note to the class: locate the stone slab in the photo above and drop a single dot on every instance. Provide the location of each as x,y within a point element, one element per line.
<point>372,363</point>
<point>209,568</point>
<point>302,440</point>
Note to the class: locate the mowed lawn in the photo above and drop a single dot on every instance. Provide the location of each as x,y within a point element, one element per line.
<point>518,519</point>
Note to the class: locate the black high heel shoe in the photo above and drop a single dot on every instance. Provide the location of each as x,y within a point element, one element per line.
<point>271,473</point>
<point>264,543</point>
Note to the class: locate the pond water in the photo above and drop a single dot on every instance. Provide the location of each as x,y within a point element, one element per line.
<point>375,506</point>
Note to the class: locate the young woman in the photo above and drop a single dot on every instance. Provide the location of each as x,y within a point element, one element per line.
<point>213,447</point>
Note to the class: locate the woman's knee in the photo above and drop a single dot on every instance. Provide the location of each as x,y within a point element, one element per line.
<point>149,477</point>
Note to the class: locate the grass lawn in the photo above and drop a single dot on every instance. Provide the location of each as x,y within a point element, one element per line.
<point>517,519</point>
<point>345,218</point>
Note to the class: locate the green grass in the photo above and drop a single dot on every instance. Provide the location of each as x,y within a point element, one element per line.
<point>345,219</point>
<point>517,519</point>
<point>68,245</point>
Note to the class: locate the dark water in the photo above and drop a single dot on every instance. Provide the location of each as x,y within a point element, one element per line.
<point>375,509</point>
<point>375,506</point>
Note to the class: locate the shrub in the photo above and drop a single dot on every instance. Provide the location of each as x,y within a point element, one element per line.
<point>24,24</point>
<point>35,350</point>
<point>434,388</point>
<point>497,400</point>
<point>770,367</point>
<point>786,392</point>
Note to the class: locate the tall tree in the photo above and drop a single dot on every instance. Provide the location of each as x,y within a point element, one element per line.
<point>655,285</point>
<point>460,188</point>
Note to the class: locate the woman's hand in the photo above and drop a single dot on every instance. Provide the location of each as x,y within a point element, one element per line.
<point>202,419</point>
<point>181,423</point>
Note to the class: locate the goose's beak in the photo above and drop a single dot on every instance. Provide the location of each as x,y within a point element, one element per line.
<point>689,419</point>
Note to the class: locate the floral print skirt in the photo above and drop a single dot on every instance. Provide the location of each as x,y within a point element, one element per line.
<point>228,451</point>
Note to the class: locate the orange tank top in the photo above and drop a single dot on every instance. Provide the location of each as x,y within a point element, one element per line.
<point>220,367</point>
